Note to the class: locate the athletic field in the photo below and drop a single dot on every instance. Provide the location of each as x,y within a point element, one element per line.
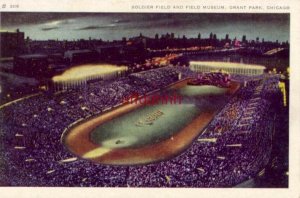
<point>122,136</point>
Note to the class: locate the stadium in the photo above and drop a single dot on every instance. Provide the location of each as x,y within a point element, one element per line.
<point>87,136</point>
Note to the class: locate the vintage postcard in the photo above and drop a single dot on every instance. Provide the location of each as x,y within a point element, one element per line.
<point>151,98</point>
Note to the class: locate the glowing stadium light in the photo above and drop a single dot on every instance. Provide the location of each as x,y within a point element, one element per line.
<point>262,172</point>
<point>43,87</point>
<point>214,140</point>
<point>72,159</point>
<point>234,145</point>
<point>84,108</point>
<point>19,147</point>
<point>168,178</point>
<point>201,170</point>
<point>84,179</point>
<point>63,102</point>
<point>30,160</point>
<point>283,91</point>
<point>50,171</point>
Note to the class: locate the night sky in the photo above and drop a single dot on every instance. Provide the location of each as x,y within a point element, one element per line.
<point>110,26</point>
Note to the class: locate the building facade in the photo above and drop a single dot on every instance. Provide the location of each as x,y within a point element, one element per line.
<point>12,43</point>
<point>231,68</point>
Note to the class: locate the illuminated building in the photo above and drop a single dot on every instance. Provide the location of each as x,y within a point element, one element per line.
<point>80,76</point>
<point>232,68</point>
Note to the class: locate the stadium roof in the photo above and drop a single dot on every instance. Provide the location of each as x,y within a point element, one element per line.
<point>29,56</point>
<point>227,64</point>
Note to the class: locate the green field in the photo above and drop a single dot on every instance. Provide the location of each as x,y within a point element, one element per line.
<point>124,132</point>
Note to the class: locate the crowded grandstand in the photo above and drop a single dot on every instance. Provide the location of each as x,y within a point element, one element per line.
<point>234,147</point>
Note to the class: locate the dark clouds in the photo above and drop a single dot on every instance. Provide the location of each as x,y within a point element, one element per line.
<point>92,27</point>
<point>19,18</point>
<point>117,25</point>
<point>48,29</point>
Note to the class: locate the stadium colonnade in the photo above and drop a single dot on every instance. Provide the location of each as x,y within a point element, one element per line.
<point>232,68</point>
<point>83,75</point>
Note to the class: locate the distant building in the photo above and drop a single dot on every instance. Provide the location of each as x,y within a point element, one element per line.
<point>120,53</point>
<point>111,51</point>
<point>31,65</point>
<point>12,43</point>
<point>75,57</point>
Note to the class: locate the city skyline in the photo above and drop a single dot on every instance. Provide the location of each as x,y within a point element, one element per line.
<point>113,26</point>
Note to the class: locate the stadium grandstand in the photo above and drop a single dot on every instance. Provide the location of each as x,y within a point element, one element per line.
<point>234,147</point>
